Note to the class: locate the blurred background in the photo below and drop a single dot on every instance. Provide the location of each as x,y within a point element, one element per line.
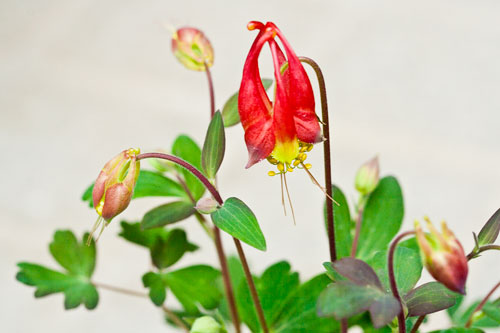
<point>415,82</point>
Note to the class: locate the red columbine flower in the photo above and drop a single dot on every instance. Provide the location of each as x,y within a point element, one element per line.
<point>114,187</point>
<point>443,256</point>
<point>285,130</point>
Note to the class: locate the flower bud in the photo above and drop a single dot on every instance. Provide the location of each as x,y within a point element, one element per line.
<point>206,324</point>
<point>367,177</point>
<point>192,48</point>
<point>206,205</point>
<point>115,184</point>
<point>443,256</point>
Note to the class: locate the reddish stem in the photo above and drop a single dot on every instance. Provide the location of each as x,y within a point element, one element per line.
<point>327,156</point>
<point>481,305</point>
<point>211,90</point>
<point>392,279</point>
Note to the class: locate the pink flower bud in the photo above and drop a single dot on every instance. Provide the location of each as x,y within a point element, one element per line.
<point>192,48</point>
<point>367,177</point>
<point>443,256</point>
<point>115,184</point>
<point>206,205</point>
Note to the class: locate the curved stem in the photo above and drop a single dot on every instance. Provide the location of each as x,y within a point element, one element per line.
<point>188,167</point>
<point>419,321</point>
<point>392,279</point>
<point>175,318</point>
<point>251,285</point>
<point>218,241</point>
<point>211,90</point>
<point>327,155</point>
<point>483,248</point>
<point>480,305</point>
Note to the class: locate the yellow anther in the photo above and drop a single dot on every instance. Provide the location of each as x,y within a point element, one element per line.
<point>308,166</point>
<point>290,169</point>
<point>296,163</point>
<point>310,147</point>
<point>303,149</point>
<point>281,167</point>
<point>272,160</point>
<point>302,157</point>
<point>271,173</point>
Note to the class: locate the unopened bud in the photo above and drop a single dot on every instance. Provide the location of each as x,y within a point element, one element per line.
<point>367,177</point>
<point>206,205</point>
<point>443,256</point>
<point>115,184</point>
<point>192,48</point>
<point>206,324</point>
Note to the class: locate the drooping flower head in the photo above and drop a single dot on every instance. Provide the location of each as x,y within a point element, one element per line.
<point>282,131</point>
<point>114,187</point>
<point>443,256</point>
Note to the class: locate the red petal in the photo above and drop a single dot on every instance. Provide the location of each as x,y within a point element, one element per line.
<point>254,106</point>
<point>301,96</point>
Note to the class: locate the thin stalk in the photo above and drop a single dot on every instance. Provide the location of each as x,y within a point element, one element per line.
<point>211,90</point>
<point>392,279</point>
<point>473,254</point>
<point>218,241</point>
<point>178,321</point>
<point>481,305</point>
<point>359,220</point>
<point>344,326</point>
<point>251,285</point>
<point>419,321</point>
<point>327,155</point>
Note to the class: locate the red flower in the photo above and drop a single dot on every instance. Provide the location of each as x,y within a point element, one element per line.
<point>285,130</point>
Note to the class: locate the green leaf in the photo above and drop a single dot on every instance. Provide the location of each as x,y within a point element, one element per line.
<point>480,319</point>
<point>429,298</point>
<point>79,261</point>
<point>407,264</point>
<point>489,232</point>
<point>157,288</point>
<point>342,218</point>
<point>236,274</point>
<point>149,184</point>
<point>194,285</point>
<point>77,258</point>
<point>167,214</point>
<point>459,330</point>
<point>167,251</point>
<point>213,147</point>
<point>185,148</point>
<point>235,218</point>
<point>135,234</point>
<point>384,310</point>
<point>274,288</point>
<point>230,113</point>
<point>357,272</point>
<point>382,217</point>
<point>299,314</point>
<point>492,311</point>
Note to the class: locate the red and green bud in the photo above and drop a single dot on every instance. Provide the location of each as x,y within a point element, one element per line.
<point>443,256</point>
<point>192,48</point>
<point>115,184</point>
<point>367,177</point>
<point>283,129</point>
<point>114,187</point>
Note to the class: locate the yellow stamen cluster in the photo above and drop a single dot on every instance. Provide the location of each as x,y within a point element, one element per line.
<point>298,162</point>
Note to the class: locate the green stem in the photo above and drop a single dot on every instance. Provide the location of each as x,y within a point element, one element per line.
<point>483,248</point>
<point>327,156</point>
<point>480,305</point>
<point>178,321</point>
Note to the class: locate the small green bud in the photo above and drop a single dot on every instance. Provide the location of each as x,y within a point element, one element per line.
<point>192,48</point>
<point>206,324</point>
<point>367,177</point>
<point>206,205</point>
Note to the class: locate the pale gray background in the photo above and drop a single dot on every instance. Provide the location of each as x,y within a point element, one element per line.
<point>415,82</point>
